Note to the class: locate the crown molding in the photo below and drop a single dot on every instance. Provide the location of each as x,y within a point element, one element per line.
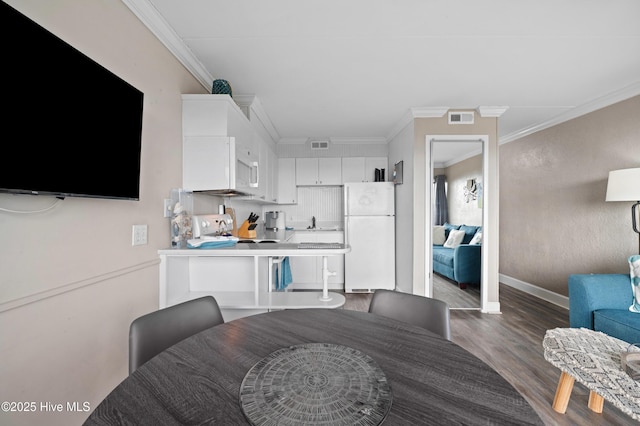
<point>405,120</point>
<point>292,141</point>
<point>412,114</point>
<point>429,112</point>
<point>167,36</point>
<point>255,110</point>
<point>374,140</point>
<point>591,106</point>
<point>492,111</point>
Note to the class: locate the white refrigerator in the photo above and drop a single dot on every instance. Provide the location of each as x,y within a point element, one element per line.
<point>369,228</point>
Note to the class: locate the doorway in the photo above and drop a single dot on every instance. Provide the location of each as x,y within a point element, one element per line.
<point>458,163</point>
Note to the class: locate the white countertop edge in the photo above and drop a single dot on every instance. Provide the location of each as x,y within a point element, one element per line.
<point>254,249</point>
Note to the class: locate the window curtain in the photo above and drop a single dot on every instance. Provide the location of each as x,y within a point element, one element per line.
<point>441,209</point>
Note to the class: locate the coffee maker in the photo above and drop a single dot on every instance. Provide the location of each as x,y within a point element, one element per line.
<point>275,221</point>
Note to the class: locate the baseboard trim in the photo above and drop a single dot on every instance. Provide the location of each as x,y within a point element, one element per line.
<point>491,308</point>
<point>534,290</point>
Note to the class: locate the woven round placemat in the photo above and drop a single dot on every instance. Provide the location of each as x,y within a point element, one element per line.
<point>315,384</point>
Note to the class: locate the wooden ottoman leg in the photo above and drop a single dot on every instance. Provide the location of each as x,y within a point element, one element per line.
<point>596,402</point>
<point>565,386</point>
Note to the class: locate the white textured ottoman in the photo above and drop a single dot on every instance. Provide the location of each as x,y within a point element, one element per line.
<point>593,359</point>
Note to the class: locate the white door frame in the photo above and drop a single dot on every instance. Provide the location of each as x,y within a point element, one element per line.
<point>487,231</point>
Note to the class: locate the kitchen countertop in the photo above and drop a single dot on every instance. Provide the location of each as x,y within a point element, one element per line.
<point>319,229</point>
<point>260,249</point>
<point>265,243</point>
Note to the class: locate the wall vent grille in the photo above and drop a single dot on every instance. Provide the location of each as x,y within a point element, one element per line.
<point>319,144</point>
<point>465,117</point>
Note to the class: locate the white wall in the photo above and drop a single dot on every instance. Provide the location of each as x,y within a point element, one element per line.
<point>461,210</point>
<point>401,149</point>
<point>70,280</point>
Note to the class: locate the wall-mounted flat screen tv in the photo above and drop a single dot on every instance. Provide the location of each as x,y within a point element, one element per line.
<point>71,127</point>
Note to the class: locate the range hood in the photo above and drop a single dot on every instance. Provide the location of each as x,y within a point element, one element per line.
<point>225,192</point>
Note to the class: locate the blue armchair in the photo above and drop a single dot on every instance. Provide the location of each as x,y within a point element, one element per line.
<point>601,302</point>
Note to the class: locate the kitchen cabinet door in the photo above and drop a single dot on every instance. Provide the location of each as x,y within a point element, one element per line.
<point>272,176</point>
<point>287,190</point>
<point>373,163</point>
<point>352,169</point>
<point>330,171</point>
<point>306,171</point>
<point>362,169</point>
<point>263,169</point>
<point>269,173</point>
<point>318,171</point>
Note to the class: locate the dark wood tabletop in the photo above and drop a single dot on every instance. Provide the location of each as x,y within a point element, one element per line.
<point>197,381</point>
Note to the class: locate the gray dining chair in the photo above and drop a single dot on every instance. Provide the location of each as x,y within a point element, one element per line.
<point>425,312</point>
<point>152,333</point>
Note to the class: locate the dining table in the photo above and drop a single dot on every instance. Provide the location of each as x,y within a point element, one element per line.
<point>314,367</point>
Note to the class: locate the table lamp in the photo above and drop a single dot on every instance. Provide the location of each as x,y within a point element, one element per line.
<point>624,185</point>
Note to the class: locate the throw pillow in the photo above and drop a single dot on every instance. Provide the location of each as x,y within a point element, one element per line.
<point>448,228</point>
<point>454,239</point>
<point>438,235</point>
<point>634,266</point>
<point>477,239</point>
<point>469,232</point>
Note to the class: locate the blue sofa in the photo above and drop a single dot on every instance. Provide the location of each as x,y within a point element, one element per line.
<point>601,302</point>
<point>463,263</point>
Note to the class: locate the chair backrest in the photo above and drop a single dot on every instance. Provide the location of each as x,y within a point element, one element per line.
<point>425,312</point>
<point>152,333</point>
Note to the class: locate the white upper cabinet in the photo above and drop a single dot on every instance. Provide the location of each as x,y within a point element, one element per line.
<point>215,115</point>
<point>362,169</point>
<point>247,164</point>
<point>352,169</point>
<point>272,176</point>
<point>287,190</point>
<point>263,173</point>
<point>318,171</point>
<point>220,147</point>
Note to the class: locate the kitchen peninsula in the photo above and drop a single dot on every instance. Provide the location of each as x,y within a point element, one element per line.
<point>240,277</point>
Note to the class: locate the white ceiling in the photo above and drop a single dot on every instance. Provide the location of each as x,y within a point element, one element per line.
<point>354,69</point>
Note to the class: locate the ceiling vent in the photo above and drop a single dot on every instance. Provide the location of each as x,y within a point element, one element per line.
<point>461,117</point>
<point>319,144</point>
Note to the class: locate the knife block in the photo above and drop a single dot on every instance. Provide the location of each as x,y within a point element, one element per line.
<point>245,232</point>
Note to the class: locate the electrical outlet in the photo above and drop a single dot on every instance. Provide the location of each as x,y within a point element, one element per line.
<point>139,235</point>
<point>168,207</point>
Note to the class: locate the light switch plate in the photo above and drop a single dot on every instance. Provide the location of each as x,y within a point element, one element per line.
<point>139,235</point>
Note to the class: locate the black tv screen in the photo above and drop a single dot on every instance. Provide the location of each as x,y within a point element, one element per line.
<point>71,127</point>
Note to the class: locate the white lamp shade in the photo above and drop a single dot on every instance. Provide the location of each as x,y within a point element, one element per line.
<point>624,185</point>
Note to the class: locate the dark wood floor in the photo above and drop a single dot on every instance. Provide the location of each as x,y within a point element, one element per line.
<point>511,342</point>
<point>457,298</point>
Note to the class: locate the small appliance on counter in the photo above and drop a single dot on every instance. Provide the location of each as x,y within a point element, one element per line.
<point>211,225</point>
<point>275,221</point>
